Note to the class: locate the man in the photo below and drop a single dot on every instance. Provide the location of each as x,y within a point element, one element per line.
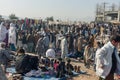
<point>12,37</point>
<point>107,60</point>
<point>70,40</point>
<point>80,42</point>
<point>50,53</point>
<point>4,56</point>
<point>88,55</point>
<point>46,42</point>
<point>3,31</point>
<point>64,47</point>
<point>40,47</point>
<point>30,42</point>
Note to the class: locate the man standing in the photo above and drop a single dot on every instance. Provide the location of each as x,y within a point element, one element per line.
<point>30,42</point>
<point>3,31</point>
<point>64,47</point>
<point>46,42</point>
<point>40,47</point>
<point>88,55</point>
<point>107,60</point>
<point>12,37</point>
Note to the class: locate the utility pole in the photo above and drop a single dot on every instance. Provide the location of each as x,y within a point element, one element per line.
<point>119,13</point>
<point>119,7</point>
<point>104,5</point>
<point>104,9</point>
<point>97,9</point>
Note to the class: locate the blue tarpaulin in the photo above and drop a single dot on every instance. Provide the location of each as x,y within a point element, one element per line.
<point>46,77</point>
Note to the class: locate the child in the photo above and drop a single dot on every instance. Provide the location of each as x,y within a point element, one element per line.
<point>69,67</point>
<point>61,69</point>
<point>55,65</point>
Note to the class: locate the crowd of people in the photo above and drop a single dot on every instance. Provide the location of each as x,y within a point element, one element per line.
<point>83,42</point>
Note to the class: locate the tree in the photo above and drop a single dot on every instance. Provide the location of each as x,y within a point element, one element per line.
<point>0,16</point>
<point>49,19</point>
<point>12,16</point>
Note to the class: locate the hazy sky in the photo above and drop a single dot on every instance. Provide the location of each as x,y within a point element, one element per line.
<point>60,9</point>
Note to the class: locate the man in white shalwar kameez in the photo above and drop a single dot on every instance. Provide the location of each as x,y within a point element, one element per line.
<point>3,32</point>
<point>12,37</point>
<point>64,47</point>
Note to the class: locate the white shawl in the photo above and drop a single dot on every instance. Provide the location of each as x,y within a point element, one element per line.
<point>3,32</point>
<point>12,34</point>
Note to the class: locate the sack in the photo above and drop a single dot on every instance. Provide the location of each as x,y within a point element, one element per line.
<point>27,64</point>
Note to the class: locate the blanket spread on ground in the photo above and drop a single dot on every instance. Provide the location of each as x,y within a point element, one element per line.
<point>46,77</point>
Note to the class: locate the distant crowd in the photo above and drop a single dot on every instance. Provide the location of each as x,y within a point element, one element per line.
<point>79,41</point>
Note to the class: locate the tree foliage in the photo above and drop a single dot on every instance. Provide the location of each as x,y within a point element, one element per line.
<point>12,16</point>
<point>50,19</point>
<point>0,16</point>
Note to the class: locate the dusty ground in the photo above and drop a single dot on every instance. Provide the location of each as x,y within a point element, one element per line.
<point>90,75</point>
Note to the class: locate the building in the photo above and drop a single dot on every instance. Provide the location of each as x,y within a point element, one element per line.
<point>106,13</point>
